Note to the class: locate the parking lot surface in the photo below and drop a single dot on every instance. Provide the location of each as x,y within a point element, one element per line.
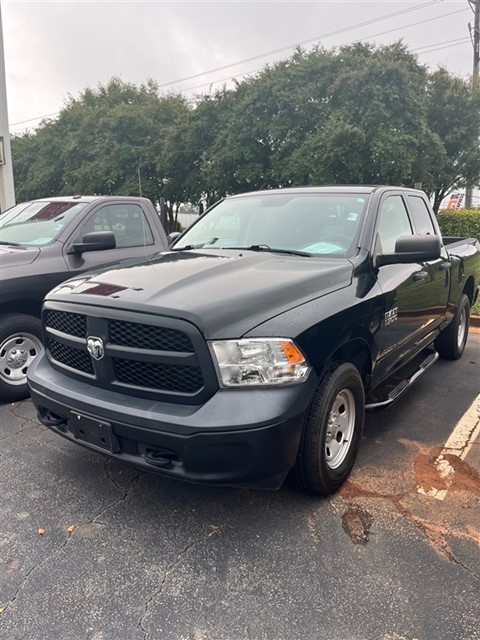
<point>93,549</point>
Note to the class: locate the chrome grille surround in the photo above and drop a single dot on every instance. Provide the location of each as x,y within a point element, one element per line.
<point>144,355</point>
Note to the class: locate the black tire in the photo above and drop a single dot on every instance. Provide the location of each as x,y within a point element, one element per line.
<point>20,344</point>
<point>323,462</point>
<point>451,342</point>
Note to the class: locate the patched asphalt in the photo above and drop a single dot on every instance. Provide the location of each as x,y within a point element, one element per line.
<point>150,558</point>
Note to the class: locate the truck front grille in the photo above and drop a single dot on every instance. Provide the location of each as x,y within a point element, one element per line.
<point>71,357</point>
<point>144,336</point>
<point>142,355</point>
<point>74,324</point>
<point>158,376</point>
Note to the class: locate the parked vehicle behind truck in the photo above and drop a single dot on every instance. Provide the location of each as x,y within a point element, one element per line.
<point>254,345</point>
<point>44,242</point>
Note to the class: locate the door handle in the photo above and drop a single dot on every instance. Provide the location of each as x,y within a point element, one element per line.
<point>444,266</point>
<point>420,275</point>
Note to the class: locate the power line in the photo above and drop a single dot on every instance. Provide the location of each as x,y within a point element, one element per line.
<point>47,115</point>
<point>375,35</point>
<point>437,44</point>
<point>447,47</point>
<point>299,44</point>
<point>272,52</point>
<point>308,41</point>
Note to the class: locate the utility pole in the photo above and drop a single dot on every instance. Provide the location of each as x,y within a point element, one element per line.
<point>7,191</point>
<point>475,4</point>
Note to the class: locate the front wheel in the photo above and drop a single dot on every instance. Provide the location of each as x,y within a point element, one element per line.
<point>20,344</point>
<point>332,431</point>
<point>451,342</point>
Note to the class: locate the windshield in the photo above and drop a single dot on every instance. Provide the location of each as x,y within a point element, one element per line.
<point>316,224</point>
<point>36,223</point>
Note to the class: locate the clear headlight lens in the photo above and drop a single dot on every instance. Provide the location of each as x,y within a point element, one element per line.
<point>259,361</point>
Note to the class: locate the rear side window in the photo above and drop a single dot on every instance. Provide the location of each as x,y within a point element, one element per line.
<point>421,216</point>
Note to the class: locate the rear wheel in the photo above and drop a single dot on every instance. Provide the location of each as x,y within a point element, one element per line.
<point>332,431</point>
<point>20,344</point>
<point>451,342</point>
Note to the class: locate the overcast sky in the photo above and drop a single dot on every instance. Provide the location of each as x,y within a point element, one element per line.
<point>56,49</point>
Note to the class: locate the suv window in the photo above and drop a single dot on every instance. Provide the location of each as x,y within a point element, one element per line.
<point>421,215</point>
<point>393,222</point>
<point>127,221</point>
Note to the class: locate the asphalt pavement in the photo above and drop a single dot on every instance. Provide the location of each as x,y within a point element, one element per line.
<point>93,549</point>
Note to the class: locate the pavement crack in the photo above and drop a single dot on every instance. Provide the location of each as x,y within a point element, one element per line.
<point>116,502</point>
<point>437,539</point>
<point>39,440</point>
<point>32,570</point>
<point>170,569</point>
<point>22,429</point>
<point>433,534</point>
<point>108,476</point>
<point>61,549</point>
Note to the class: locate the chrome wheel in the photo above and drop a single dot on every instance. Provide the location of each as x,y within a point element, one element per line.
<point>341,425</point>
<point>17,352</point>
<point>462,329</point>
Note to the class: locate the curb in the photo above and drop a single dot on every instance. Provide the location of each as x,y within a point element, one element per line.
<point>475,321</point>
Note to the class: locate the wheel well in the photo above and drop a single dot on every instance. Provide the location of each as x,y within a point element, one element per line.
<point>469,289</point>
<point>28,307</point>
<point>356,351</point>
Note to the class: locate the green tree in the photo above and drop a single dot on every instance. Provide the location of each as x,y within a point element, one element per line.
<point>359,114</point>
<point>109,140</point>
<point>354,115</point>
<point>453,117</point>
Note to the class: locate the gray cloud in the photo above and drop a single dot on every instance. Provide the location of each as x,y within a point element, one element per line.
<point>53,49</point>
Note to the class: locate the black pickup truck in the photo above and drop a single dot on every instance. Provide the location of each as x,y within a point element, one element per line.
<point>255,344</point>
<point>44,242</point>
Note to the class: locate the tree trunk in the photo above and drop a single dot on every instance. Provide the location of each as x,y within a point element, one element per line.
<point>439,196</point>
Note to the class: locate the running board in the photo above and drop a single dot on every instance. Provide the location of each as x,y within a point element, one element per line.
<point>405,384</point>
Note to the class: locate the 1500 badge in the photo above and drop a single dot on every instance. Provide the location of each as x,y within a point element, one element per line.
<point>391,316</point>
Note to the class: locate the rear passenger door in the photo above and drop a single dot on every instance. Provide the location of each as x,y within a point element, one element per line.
<point>405,287</point>
<point>129,224</point>
<point>436,294</point>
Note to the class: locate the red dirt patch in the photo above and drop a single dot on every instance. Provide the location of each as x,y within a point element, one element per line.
<point>465,478</point>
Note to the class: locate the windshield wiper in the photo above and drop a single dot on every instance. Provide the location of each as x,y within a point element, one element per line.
<point>187,247</point>
<point>10,244</point>
<point>252,247</point>
<point>200,245</point>
<point>266,247</point>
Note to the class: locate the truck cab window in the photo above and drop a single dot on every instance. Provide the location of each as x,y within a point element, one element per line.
<point>127,221</point>
<point>393,222</point>
<point>421,215</point>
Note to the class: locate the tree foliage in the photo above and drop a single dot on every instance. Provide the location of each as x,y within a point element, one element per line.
<point>453,117</point>
<point>359,114</point>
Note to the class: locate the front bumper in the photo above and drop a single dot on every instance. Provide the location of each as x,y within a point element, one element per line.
<point>239,437</point>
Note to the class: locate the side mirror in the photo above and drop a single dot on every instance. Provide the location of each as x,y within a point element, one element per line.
<point>95,241</point>
<point>410,249</point>
<point>172,237</point>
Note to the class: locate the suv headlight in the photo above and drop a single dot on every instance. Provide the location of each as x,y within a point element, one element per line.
<point>258,361</point>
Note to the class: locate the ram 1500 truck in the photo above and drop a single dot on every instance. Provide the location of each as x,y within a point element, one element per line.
<point>255,344</point>
<point>44,242</point>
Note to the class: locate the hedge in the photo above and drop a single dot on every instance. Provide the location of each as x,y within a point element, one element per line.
<point>460,222</point>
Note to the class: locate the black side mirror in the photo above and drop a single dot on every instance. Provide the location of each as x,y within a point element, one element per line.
<point>410,249</point>
<point>95,241</point>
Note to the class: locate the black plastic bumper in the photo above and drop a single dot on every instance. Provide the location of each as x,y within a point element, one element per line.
<point>239,437</point>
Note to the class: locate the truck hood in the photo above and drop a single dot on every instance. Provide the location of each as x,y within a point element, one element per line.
<point>11,256</point>
<point>224,293</point>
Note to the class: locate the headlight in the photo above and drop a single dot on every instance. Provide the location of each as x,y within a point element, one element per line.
<point>258,361</point>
